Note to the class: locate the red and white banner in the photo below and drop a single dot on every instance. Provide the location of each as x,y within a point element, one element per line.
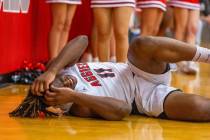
<point>24,27</point>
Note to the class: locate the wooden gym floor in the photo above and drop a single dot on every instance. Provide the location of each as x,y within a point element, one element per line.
<point>131,128</point>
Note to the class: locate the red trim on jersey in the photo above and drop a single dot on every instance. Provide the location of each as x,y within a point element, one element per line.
<point>188,4</point>
<point>190,1</point>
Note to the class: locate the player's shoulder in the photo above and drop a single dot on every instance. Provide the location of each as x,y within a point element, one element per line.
<point>109,64</point>
<point>105,65</point>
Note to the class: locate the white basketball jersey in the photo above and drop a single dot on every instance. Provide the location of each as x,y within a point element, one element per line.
<point>104,79</point>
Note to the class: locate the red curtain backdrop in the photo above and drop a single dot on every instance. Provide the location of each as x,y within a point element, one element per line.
<point>25,36</point>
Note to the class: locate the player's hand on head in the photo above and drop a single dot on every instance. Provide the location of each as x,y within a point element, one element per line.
<point>56,96</point>
<point>42,83</point>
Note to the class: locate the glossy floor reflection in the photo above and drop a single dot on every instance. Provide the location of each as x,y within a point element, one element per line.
<point>131,128</point>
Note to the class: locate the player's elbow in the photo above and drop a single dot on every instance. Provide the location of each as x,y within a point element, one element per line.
<point>119,113</point>
<point>84,38</point>
<point>114,118</point>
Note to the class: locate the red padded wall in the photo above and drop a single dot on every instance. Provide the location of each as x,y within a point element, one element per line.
<point>24,36</point>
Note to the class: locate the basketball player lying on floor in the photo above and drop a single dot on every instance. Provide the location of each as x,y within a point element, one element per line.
<point>114,90</point>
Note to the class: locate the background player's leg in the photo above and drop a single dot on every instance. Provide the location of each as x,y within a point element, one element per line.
<point>58,22</point>
<point>150,21</point>
<point>71,9</point>
<point>192,28</point>
<point>187,107</point>
<point>180,22</point>
<point>93,43</point>
<point>103,23</point>
<point>113,48</point>
<point>166,25</point>
<point>121,18</point>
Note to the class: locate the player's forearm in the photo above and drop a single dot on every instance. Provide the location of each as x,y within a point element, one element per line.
<point>106,107</point>
<point>70,54</point>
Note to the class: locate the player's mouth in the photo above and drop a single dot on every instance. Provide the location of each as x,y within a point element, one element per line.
<point>69,81</point>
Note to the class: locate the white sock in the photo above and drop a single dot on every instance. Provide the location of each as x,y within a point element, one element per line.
<point>202,55</point>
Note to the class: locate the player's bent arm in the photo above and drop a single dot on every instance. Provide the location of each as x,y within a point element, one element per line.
<point>106,107</point>
<point>69,55</point>
<point>162,49</point>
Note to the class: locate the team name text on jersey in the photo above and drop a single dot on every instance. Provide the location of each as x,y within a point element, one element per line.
<point>88,75</point>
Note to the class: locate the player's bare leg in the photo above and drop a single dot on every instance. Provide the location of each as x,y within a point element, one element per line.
<point>187,107</point>
<point>151,54</point>
<point>186,22</point>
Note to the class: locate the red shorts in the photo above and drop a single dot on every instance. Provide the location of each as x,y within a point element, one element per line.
<point>161,4</point>
<point>188,4</point>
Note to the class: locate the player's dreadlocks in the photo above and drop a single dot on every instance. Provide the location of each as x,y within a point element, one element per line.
<point>33,106</point>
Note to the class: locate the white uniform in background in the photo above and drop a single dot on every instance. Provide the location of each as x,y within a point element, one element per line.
<point>124,82</point>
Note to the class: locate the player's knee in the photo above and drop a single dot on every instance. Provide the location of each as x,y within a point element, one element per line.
<point>59,25</point>
<point>180,31</point>
<point>180,26</point>
<point>141,47</point>
<point>66,26</point>
<point>192,30</point>
<point>103,35</point>
<point>141,43</point>
<point>121,35</point>
<point>147,26</point>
